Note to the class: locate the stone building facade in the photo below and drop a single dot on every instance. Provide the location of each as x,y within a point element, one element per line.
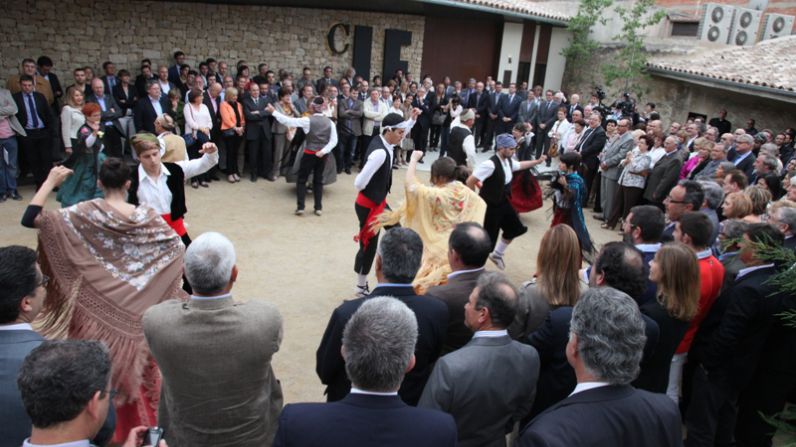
<point>87,32</point>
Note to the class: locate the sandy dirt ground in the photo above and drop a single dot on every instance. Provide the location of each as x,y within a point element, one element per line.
<point>302,265</point>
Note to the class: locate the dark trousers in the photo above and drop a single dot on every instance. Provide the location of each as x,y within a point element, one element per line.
<point>365,256</point>
<point>489,133</point>
<point>186,240</point>
<point>348,145</point>
<point>542,142</point>
<point>479,130</point>
<point>443,148</point>
<point>436,130</point>
<point>711,414</point>
<point>232,143</point>
<point>420,137</point>
<point>625,199</point>
<point>259,155</point>
<point>589,176</point>
<point>36,151</point>
<point>310,164</point>
<point>112,140</point>
<point>767,394</point>
<point>503,217</point>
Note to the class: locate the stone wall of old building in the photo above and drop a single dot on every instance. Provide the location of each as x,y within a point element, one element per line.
<point>87,32</point>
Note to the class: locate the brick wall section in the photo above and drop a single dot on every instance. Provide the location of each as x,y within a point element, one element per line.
<point>87,32</point>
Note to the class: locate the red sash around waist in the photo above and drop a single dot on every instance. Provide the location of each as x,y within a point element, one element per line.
<point>177,225</point>
<point>366,233</point>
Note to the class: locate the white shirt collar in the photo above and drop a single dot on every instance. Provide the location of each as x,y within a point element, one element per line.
<point>83,443</point>
<point>355,390</point>
<point>491,334</point>
<point>142,175</point>
<point>461,272</point>
<point>585,386</point>
<point>16,327</point>
<point>745,271</point>
<point>649,248</point>
<point>208,298</point>
<point>704,254</point>
<point>386,144</point>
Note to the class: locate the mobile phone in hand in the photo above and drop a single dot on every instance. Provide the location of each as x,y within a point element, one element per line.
<point>153,436</point>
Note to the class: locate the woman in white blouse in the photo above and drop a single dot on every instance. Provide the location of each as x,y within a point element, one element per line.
<point>72,117</point>
<point>573,136</point>
<point>559,130</point>
<point>197,124</point>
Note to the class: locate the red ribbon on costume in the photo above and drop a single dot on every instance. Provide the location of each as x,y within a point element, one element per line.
<point>177,225</point>
<point>367,232</point>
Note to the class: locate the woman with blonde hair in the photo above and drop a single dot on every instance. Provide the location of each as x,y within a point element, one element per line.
<point>760,198</point>
<point>737,205</point>
<point>675,272</point>
<point>555,284</point>
<point>72,117</point>
<point>233,123</point>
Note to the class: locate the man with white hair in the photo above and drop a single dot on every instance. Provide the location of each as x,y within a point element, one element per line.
<point>604,405</point>
<point>461,143</point>
<point>784,219</point>
<point>215,355</point>
<point>378,345</point>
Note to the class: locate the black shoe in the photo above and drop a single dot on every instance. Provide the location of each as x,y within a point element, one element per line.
<point>15,195</point>
<point>254,178</point>
<point>348,171</point>
<point>598,217</point>
<point>395,167</point>
<point>2,198</point>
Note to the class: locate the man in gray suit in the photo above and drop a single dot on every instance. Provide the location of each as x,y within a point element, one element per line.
<point>529,109</point>
<point>614,153</point>
<point>468,249</point>
<point>111,112</point>
<point>215,356</point>
<point>489,384</point>
<point>349,123</point>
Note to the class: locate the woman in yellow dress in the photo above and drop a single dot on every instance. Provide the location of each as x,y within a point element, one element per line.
<point>433,211</point>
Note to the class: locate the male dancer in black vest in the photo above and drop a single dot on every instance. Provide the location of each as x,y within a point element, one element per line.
<point>161,186</point>
<point>321,139</point>
<point>461,143</point>
<point>373,184</point>
<point>493,177</point>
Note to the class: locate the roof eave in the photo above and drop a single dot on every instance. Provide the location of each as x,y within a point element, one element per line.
<point>500,11</point>
<point>777,94</point>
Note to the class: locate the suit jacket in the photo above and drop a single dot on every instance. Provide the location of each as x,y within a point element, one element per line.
<point>510,107</point>
<point>215,357</point>
<point>424,119</point>
<point>495,100</point>
<point>45,112</point>
<point>364,420</point>
<point>547,115</point>
<point>9,109</point>
<point>144,114</point>
<point>14,347</point>
<point>112,111</point>
<point>591,144</point>
<point>654,375</point>
<point>487,386</point>
<point>608,416</point>
<point>432,319</point>
<point>528,112</point>
<point>106,83</point>
<point>480,104</point>
<point>747,165</point>
<point>615,152</point>
<point>455,294</point>
<point>663,178</point>
<point>353,113</point>
<point>556,377</point>
<point>126,101</point>
<point>215,114</point>
<point>40,85</point>
<point>55,86</point>
<point>373,115</point>
<point>258,125</point>
<point>323,82</point>
<point>174,74</point>
<point>571,108</point>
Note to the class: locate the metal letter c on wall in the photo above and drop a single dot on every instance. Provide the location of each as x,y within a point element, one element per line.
<point>330,38</point>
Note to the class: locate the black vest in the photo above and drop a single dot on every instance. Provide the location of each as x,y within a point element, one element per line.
<point>493,189</point>
<point>176,184</point>
<point>456,145</point>
<point>379,185</point>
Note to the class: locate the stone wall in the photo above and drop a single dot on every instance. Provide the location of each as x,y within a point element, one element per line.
<point>87,32</point>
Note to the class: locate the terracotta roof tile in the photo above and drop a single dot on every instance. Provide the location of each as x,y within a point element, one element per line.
<point>765,64</point>
<point>556,10</point>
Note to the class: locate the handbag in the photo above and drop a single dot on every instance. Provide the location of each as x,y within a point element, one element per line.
<point>438,118</point>
<point>190,140</point>
<point>553,151</point>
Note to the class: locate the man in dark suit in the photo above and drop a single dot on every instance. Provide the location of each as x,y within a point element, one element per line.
<point>743,158</point>
<point>425,103</point>
<point>509,110</point>
<point>686,196</point>
<point>590,145</point>
<point>243,384</point>
<point>258,133</point>
<point>468,249</point>
<point>149,107</point>
<point>22,294</point>
<point>784,219</point>
<point>603,405</point>
<point>326,80</point>
<point>529,108</point>
<point>489,384</point>
<point>378,345</point>
<point>111,112</point>
<point>479,101</point>
<point>748,354</point>
<point>664,175</point>
<point>397,262</point>
<point>574,104</point>
<point>109,79</point>
<point>174,70</point>
<point>36,116</point>
<point>548,111</point>
<point>212,99</point>
<point>492,120</point>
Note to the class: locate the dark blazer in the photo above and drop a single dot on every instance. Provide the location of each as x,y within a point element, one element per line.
<point>663,178</point>
<point>140,84</point>
<point>556,377</point>
<point>144,114</point>
<point>495,101</point>
<point>510,107</point>
<point>214,116</point>
<point>654,375</point>
<point>571,109</point>
<point>455,294</point>
<point>747,165</point>
<point>55,85</point>
<point>174,74</point>
<point>258,125</point>
<point>432,321</point>
<point>112,111</point>
<point>591,145</point>
<point>426,105</point>
<point>14,347</point>
<point>547,115</point>
<point>609,416</point>
<point>364,420</point>
<point>126,101</point>
<point>45,112</point>
<point>480,104</point>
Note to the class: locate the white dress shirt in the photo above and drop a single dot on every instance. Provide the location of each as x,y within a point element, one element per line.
<point>355,390</point>
<point>585,386</point>
<point>83,443</point>
<point>487,168</point>
<point>374,162</point>
<point>16,327</point>
<point>491,334</point>
<point>156,194</point>
<point>468,144</point>
<point>304,123</point>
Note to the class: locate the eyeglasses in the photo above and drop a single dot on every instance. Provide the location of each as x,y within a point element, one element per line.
<point>44,281</point>
<point>671,200</point>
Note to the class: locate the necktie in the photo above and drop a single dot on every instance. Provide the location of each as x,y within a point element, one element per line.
<point>33,114</point>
